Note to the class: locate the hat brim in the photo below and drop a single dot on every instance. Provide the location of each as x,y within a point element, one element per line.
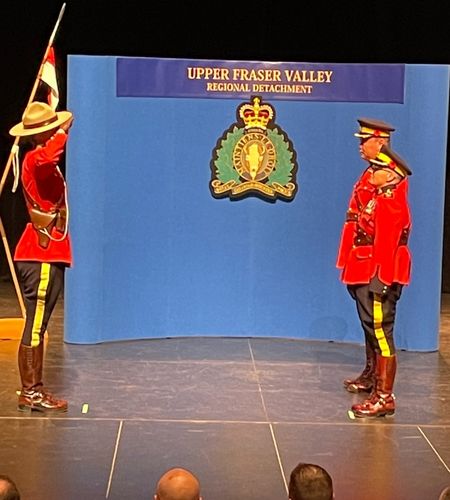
<point>364,136</point>
<point>20,131</point>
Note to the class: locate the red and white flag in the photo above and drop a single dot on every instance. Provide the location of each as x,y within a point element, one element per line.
<point>49,77</point>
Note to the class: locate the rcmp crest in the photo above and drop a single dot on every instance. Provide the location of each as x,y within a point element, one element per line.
<point>254,157</point>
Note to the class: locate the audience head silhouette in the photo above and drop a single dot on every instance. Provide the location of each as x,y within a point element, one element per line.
<point>8,490</point>
<point>310,482</point>
<point>178,484</point>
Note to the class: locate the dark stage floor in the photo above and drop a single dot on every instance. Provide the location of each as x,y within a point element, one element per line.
<point>239,412</point>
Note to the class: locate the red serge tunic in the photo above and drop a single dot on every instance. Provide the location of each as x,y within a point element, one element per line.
<point>361,195</point>
<point>385,223</point>
<point>44,184</point>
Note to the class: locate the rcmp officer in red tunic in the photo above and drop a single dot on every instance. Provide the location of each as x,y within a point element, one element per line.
<point>373,134</point>
<point>375,263</point>
<point>43,251</point>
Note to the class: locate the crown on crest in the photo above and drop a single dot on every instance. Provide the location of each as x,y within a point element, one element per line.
<point>256,115</point>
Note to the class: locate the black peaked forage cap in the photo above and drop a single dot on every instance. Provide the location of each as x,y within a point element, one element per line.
<point>371,127</point>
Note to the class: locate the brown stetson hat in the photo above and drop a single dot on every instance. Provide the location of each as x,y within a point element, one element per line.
<point>39,117</point>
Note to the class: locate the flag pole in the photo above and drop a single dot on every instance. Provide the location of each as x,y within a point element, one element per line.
<point>33,93</point>
<point>12,153</point>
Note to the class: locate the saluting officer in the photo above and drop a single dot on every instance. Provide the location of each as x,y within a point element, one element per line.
<point>44,249</point>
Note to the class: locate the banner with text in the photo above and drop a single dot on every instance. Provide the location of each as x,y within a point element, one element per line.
<point>153,77</point>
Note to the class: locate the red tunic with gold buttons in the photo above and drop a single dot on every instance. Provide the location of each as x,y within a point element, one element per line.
<point>362,193</point>
<point>44,185</point>
<point>374,244</point>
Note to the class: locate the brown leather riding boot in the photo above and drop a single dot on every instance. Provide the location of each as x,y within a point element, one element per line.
<point>382,400</point>
<point>33,395</point>
<point>365,381</point>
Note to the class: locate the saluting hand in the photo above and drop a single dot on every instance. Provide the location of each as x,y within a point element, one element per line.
<point>66,125</point>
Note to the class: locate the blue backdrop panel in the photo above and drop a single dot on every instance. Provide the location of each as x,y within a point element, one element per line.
<point>155,255</point>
